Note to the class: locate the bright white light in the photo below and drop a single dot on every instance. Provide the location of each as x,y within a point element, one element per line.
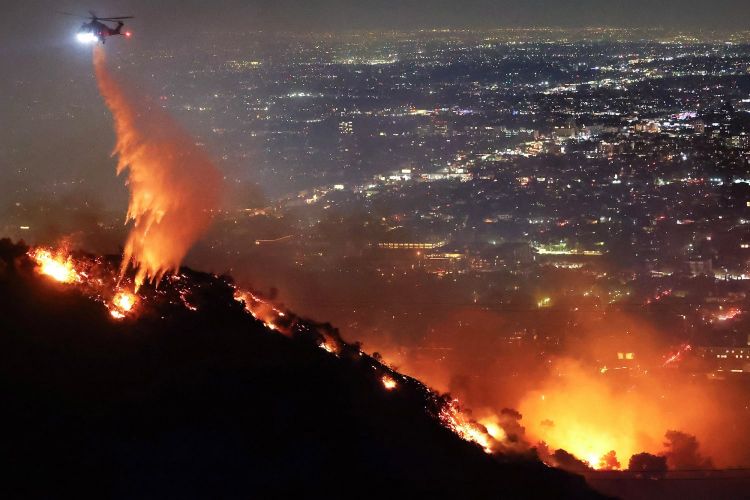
<point>86,37</point>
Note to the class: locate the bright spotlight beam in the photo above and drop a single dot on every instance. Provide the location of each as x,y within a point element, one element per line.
<point>85,37</point>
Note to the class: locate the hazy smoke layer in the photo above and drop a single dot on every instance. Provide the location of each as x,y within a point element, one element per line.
<point>173,185</point>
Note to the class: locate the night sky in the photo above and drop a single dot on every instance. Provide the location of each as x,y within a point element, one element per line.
<point>19,15</point>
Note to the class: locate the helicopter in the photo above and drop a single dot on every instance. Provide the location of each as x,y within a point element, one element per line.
<point>96,30</point>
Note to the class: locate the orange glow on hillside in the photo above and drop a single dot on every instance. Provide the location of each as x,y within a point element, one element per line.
<point>604,422</point>
<point>581,415</point>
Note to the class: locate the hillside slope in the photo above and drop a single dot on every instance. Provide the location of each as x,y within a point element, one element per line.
<point>211,403</point>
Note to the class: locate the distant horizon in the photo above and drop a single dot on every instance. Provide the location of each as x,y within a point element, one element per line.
<point>455,29</point>
<point>171,17</point>
<point>437,28</point>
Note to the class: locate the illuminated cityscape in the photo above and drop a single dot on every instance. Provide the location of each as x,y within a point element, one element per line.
<point>481,165</point>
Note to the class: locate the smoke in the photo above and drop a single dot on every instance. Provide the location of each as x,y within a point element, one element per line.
<point>576,394</point>
<point>174,187</point>
<point>75,218</point>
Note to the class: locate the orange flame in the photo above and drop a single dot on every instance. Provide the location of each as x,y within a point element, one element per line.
<point>604,422</point>
<point>388,382</point>
<point>57,266</point>
<point>173,185</point>
<point>330,346</point>
<point>581,415</point>
<point>122,303</point>
<point>452,417</point>
<point>262,310</point>
<point>494,430</point>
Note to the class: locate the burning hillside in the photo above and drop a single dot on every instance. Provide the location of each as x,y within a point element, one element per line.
<point>198,386</point>
<point>174,189</point>
<point>593,399</point>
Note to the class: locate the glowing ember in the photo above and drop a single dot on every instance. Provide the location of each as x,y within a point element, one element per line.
<point>388,382</point>
<point>57,266</point>
<point>260,309</point>
<point>728,314</point>
<point>186,302</point>
<point>677,356</point>
<point>657,297</point>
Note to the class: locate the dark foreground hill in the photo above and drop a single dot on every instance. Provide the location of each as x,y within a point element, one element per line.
<point>210,403</point>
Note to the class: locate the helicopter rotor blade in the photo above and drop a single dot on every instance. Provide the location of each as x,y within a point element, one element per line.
<point>71,15</point>
<point>92,16</point>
